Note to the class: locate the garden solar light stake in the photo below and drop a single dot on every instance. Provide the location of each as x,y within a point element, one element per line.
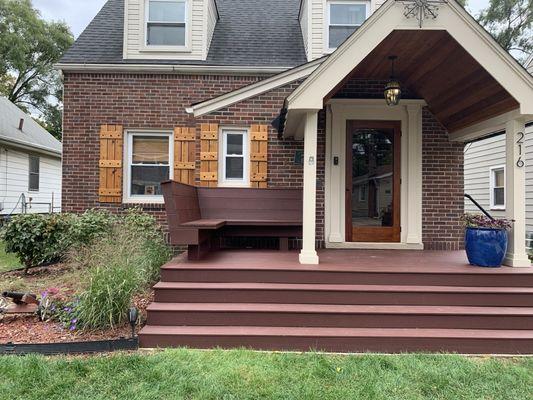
<point>133,316</point>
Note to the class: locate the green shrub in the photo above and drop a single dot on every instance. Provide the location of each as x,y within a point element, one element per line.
<point>120,264</point>
<point>86,227</point>
<point>36,238</point>
<point>45,238</point>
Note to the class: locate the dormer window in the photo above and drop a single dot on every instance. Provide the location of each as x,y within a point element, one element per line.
<point>166,22</point>
<point>344,17</point>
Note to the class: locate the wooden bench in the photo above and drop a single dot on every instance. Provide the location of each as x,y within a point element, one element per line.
<point>199,216</point>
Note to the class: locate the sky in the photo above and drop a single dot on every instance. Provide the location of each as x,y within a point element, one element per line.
<point>78,13</point>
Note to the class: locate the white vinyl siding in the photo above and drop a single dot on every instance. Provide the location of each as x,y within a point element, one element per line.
<point>196,33</point>
<point>14,181</point>
<point>304,25</point>
<point>489,153</point>
<point>212,17</point>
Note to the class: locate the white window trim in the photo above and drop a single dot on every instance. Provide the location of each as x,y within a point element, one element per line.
<point>328,49</point>
<point>222,181</point>
<point>491,185</point>
<point>128,147</point>
<point>167,48</point>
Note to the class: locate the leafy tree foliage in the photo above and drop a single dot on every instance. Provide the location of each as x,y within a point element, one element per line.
<point>29,47</point>
<point>511,24</point>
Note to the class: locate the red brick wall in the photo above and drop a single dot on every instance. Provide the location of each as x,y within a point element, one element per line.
<point>442,187</point>
<point>152,101</point>
<point>157,101</point>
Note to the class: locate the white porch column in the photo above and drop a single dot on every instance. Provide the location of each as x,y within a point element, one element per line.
<point>308,255</point>
<point>414,178</point>
<point>515,192</point>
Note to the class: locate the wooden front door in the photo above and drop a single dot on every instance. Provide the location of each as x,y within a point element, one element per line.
<point>373,181</point>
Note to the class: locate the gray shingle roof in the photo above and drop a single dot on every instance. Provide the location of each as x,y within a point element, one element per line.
<point>32,135</point>
<point>251,33</point>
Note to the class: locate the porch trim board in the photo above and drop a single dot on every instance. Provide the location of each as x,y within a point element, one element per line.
<point>409,113</point>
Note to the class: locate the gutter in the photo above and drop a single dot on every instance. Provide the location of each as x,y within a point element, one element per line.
<point>166,68</point>
<point>10,142</point>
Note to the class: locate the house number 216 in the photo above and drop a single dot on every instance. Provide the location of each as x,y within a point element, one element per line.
<point>520,142</point>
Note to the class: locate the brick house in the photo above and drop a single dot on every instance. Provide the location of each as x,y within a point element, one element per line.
<point>245,99</point>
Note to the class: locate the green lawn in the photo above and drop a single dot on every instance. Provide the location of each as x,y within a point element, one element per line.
<point>8,261</point>
<point>191,374</point>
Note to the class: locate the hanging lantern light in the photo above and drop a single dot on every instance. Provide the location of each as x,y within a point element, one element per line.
<point>393,89</point>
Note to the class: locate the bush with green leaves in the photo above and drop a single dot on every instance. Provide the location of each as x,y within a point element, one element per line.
<point>39,239</point>
<point>36,238</point>
<point>119,265</point>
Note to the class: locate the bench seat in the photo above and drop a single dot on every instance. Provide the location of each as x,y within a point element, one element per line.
<point>200,217</point>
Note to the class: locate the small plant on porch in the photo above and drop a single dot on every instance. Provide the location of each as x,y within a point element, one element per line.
<point>486,239</point>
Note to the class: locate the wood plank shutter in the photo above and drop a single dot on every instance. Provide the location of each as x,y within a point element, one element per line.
<point>209,155</point>
<point>259,156</point>
<point>184,155</point>
<point>111,145</point>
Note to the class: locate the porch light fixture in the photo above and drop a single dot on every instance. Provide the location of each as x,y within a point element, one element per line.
<point>393,89</point>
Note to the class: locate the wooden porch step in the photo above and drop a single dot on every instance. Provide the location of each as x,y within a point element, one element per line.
<point>354,275</point>
<point>390,340</point>
<point>339,316</point>
<point>202,292</point>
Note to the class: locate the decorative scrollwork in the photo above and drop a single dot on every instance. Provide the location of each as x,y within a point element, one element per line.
<point>421,9</point>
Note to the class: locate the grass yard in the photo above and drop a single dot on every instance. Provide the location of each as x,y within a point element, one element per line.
<point>8,261</point>
<point>241,374</point>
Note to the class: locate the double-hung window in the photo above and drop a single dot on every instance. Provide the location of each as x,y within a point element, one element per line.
<point>166,22</point>
<point>33,176</point>
<point>344,17</point>
<point>150,158</point>
<point>497,188</point>
<point>235,157</point>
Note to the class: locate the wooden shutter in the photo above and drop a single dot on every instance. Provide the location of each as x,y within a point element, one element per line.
<point>111,145</point>
<point>209,155</point>
<point>259,156</point>
<point>184,155</point>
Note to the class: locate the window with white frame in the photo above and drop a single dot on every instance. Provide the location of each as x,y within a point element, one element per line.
<point>235,157</point>
<point>166,22</point>
<point>344,17</point>
<point>497,188</point>
<point>149,158</point>
<point>33,176</point>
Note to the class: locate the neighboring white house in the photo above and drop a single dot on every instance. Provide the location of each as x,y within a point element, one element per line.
<point>485,173</point>
<point>30,164</point>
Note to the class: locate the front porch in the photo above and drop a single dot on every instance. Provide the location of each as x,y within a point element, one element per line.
<point>354,301</point>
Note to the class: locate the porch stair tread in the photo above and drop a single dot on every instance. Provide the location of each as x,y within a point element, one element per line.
<point>340,309</point>
<point>281,331</point>
<point>338,287</point>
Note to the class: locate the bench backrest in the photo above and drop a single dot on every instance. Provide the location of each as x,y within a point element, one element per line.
<point>186,203</point>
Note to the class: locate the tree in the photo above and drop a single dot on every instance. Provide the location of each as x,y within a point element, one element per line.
<point>510,22</point>
<point>29,48</point>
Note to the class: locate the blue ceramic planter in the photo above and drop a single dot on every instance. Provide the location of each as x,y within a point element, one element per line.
<point>486,247</point>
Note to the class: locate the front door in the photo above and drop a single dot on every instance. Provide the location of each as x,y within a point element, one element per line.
<point>373,181</point>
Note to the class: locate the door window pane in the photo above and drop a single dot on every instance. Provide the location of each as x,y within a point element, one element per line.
<point>372,177</point>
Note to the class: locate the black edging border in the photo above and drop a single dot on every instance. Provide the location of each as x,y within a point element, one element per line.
<point>103,346</point>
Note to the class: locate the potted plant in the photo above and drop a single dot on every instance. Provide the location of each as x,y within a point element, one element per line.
<point>486,239</point>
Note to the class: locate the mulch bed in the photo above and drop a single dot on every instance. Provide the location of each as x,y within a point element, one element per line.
<point>26,329</point>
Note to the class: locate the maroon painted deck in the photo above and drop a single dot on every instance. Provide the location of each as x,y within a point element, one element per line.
<point>354,301</point>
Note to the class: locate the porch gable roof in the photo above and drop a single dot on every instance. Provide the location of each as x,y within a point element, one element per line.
<point>511,86</point>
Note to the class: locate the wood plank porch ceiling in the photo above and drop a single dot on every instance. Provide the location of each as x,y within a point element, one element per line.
<point>432,65</point>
